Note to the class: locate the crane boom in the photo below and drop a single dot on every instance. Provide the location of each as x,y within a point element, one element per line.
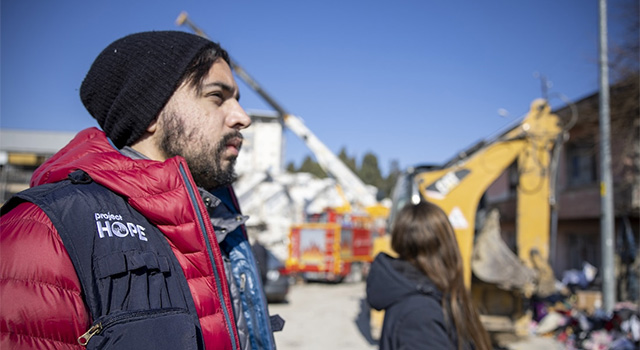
<point>329,162</point>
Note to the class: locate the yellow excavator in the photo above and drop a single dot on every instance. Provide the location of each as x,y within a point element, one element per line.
<point>500,280</point>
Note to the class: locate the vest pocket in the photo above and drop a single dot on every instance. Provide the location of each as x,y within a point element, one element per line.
<point>134,280</point>
<point>148,329</point>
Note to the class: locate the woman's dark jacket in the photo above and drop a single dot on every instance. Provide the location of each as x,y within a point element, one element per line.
<point>413,313</point>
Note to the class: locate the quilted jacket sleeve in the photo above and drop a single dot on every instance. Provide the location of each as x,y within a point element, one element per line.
<point>41,305</point>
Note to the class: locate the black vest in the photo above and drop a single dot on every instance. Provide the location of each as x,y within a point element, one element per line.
<point>132,282</point>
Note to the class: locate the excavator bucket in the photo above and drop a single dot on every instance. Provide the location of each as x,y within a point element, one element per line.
<point>493,262</point>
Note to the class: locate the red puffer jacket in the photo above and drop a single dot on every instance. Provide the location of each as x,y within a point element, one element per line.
<point>41,305</point>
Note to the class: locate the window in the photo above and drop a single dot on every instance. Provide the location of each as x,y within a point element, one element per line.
<point>581,167</point>
<point>583,248</point>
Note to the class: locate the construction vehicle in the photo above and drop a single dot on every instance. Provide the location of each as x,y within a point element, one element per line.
<point>359,204</point>
<point>500,281</point>
<point>335,244</point>
<point>332,246</point>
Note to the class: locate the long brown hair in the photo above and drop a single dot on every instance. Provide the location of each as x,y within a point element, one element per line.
<point>422,235</point>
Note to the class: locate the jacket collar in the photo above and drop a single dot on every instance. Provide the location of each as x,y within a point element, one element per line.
<point>156,189</point>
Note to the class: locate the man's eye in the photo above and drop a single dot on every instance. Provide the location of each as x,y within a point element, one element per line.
<point>215,96</point>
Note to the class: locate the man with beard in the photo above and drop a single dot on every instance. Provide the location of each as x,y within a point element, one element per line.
<point>131,237</point>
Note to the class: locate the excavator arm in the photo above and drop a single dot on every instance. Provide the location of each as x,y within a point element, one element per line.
<point>457,189</point>
<point>499,280</point>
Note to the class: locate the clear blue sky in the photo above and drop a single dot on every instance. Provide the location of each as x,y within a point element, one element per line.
<point>415,81</point>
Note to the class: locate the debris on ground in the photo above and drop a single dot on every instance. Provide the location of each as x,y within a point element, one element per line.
<point>577,321</point>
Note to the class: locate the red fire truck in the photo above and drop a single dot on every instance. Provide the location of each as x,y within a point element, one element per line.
<point>332,246</point>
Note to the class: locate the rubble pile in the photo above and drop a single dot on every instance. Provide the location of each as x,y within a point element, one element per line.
<point>580,329</point>
<point>574,317</point>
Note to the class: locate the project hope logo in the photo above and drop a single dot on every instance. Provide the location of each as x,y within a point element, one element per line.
<point>110,225</point>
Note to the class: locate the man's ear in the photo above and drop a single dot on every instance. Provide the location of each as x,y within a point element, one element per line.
<point>147,144</point>
<point>153,126</point>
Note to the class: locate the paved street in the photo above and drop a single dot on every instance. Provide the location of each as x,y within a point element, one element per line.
<point>323,316</point>
<point>334,316</point>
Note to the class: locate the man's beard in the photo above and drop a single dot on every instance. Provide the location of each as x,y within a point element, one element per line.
<point>204,161</point>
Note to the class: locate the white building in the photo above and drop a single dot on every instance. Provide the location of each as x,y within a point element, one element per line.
<point>263,146</point>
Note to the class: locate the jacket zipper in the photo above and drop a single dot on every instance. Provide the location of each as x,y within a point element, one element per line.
<point>95,329</point>
<point>223,305</point>
<point>99,326</point>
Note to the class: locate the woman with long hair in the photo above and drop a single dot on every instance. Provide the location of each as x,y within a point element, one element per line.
<point>426,303</point>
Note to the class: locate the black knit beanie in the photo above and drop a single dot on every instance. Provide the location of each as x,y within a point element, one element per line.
<point>133,78</point>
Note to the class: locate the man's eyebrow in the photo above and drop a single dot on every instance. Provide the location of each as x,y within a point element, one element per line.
<point>224,86</point>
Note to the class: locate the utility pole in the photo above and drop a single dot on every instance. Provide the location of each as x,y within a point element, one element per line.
<point>606,188</point>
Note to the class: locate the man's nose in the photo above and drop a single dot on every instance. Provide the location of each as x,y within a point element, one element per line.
<point>237,118</point>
